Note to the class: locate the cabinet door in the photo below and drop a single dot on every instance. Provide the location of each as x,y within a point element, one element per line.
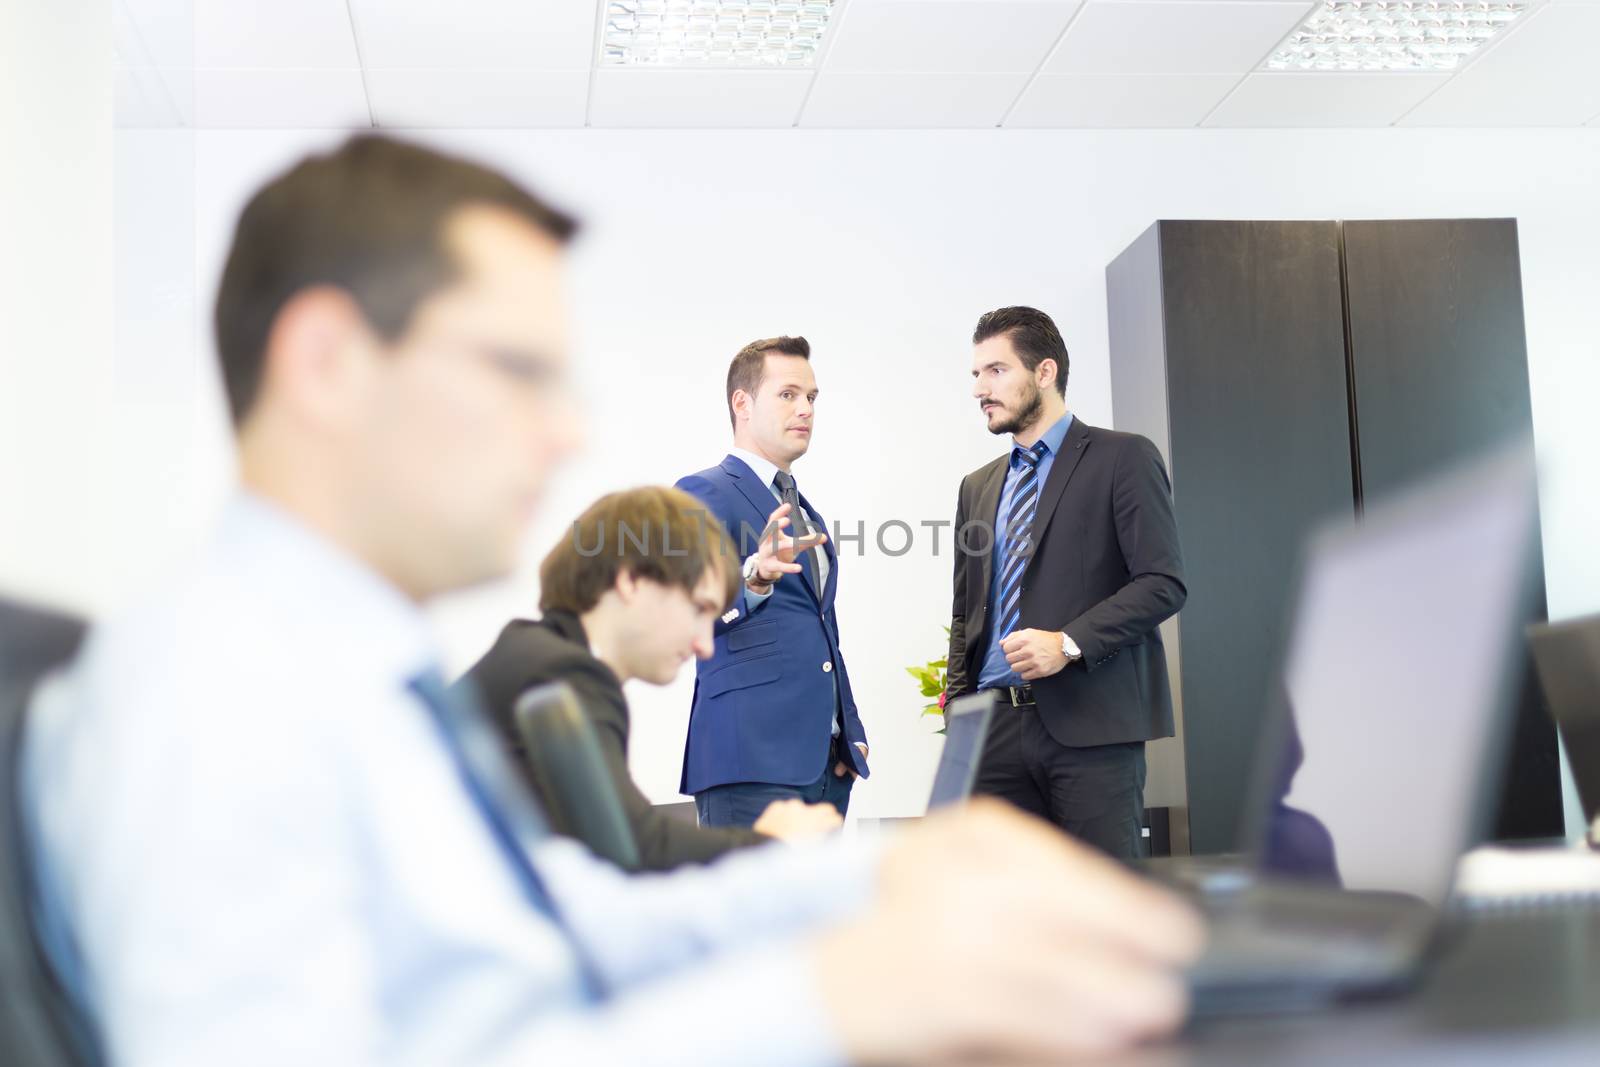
<point>1439,371</point>
<point>1260,451</point>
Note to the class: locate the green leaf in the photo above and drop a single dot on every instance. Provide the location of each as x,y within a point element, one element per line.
<point>931,688</point>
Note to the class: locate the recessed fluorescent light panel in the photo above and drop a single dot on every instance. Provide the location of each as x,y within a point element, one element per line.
<point>713,33</point>
<point>1404,35</point>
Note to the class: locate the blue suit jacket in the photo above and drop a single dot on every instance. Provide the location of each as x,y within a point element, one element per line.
<point>763,702</point>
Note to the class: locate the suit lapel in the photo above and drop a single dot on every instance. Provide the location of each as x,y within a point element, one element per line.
<point>1072,448</point>
<point>810,562</point>
<point>985,511</point>
<point>758,496</point>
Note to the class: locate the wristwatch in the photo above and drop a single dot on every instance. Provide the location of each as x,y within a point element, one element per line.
<point>751,576</point>
<point>1069,648</point>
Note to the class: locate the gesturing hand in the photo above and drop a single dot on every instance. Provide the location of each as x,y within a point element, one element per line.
<point>776,554</point>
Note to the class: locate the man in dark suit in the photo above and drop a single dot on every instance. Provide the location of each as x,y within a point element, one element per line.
<point>1067,561</point>
<point>773,715</point>
<point>614,610</point>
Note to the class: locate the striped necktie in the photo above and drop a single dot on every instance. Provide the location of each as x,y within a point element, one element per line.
<point>512,816</point>
<point>1016,534</point>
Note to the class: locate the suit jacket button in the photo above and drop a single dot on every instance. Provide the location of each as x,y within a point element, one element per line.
<point>827,666</point>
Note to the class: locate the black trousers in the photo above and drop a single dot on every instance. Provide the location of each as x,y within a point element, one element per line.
<point>1096,794</point>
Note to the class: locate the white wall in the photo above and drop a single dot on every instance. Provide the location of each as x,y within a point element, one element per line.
<point>882,248</point>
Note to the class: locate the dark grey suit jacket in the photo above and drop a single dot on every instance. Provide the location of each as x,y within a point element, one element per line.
<point>1106,569</point>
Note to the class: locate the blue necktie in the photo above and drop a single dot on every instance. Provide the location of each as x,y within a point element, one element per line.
<point>510,813</point>
<point>1017,536</point>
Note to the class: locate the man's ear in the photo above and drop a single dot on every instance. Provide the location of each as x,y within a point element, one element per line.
<point>626,586</point>
<point>1047,378</point>
<point>318,354</point>
<point>741,404</point>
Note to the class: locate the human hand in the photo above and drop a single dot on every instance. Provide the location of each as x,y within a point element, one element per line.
<point>794,819</point>
<point>841,768</point>
<point>776,554</point>
<point>1034,654</point>
<point>993,934</point>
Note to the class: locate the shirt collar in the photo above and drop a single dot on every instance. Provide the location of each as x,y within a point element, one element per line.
<point>1054,436</point>
<point>368,619</point>
<point>765,469</point>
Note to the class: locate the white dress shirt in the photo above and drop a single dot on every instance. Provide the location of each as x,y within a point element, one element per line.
<point>264,855</point>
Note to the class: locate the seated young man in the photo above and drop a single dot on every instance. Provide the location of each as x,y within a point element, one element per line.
<point>633,592</point>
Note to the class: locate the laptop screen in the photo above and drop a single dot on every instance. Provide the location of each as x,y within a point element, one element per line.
<point>967,724</point>
<point>1396,682</point>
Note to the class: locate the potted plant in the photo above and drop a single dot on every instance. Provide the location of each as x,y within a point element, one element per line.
<point>930,676</point>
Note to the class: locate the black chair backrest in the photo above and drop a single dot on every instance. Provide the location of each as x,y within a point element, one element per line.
<point>564,752</point>
<point>39,1025</point>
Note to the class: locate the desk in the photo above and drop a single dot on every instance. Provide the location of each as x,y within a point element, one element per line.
<point>1520,990</point>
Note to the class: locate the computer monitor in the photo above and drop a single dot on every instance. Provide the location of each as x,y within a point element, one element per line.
<point>1566,656</point>
<point>1398,673</point>
<point>966,725</point>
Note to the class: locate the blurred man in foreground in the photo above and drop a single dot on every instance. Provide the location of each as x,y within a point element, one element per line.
<point>269,835</point>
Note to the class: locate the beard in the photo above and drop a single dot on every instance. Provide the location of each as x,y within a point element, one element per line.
<point>1032,404</point>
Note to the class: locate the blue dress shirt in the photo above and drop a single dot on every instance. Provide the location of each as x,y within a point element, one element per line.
<point>996,671</point>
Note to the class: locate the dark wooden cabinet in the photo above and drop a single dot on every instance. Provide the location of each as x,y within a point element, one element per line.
<point>1287,370</point>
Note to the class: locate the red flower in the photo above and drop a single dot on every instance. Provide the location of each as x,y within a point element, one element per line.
<point>941,700</point>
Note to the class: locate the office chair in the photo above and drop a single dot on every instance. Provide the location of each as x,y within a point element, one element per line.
<point>561,747</point>
<point>39,1025</point>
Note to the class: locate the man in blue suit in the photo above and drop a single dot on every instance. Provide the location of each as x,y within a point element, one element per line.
<point>773,714</point>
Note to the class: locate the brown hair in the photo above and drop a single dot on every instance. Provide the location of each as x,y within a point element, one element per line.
<point>664,535</point>
<point>369,218</point>
<point>748,367</point>
<point>1033,335</point>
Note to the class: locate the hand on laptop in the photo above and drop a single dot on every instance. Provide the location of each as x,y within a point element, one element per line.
<point>792,819</point>
<point>992,933</point>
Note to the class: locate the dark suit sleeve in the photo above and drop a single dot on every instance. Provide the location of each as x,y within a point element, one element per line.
<point>664,842</point>
<point>707,493</point>
<point>955,669</point>
<point>1147,534</point>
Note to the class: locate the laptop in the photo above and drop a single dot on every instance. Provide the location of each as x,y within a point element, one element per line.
<point>1381,753</point>
<point>1566,656</point>
<point>966,725</point>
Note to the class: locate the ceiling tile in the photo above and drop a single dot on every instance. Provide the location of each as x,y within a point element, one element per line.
<point>904,101</point>
<point>697,98</point>
<point>481,34</point>
<point>1542,74</point>
<point>279,98</point>
<point>479,98</point>
<point>274,33</point>
<point>141,101</point>
<point>1115,101</point>
<point>946,35</point>
<point>165,30</point>
<point>1324,99</point>
<point>1173,38</point>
